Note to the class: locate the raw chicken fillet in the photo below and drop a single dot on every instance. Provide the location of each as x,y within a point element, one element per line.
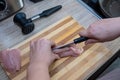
<point>11,60</point>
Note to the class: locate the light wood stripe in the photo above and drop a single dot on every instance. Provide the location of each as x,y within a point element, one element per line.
<point>53,72</point>
<point>57,63</point>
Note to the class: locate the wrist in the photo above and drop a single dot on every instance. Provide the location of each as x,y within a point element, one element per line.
<point>39,63</point>
<point>35,70</point>
<point>35,67</point>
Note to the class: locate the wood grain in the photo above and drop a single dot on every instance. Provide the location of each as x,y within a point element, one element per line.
<point>69,68</point>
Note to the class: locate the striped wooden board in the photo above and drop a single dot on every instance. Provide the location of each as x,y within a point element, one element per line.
<point>69,68</point>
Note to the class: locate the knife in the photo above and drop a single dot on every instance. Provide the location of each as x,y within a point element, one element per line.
<point>75,41</point>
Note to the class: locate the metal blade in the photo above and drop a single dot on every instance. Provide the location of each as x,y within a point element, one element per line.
<point>63,46</point>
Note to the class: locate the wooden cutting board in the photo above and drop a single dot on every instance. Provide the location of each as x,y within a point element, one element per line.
<point>69,68</point>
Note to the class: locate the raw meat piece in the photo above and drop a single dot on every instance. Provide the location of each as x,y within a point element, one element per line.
<point>69,51</point>
<point>11,60</point>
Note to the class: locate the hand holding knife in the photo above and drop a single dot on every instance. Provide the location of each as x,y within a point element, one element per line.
<point>75,41</point>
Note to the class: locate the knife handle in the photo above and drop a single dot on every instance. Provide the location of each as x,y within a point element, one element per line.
<point>80,39</point>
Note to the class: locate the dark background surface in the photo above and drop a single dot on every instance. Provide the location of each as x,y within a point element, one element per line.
<point>94,4</point>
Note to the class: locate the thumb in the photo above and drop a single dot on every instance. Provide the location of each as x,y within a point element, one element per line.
<point>56,56</point>
<point>83,33</point>
<point>90,41</point>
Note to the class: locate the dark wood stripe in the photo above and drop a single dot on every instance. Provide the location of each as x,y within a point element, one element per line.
<point>69,37</point>
<point>70,59</point>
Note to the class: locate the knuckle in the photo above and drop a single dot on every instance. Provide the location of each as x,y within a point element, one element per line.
<point>92,30</point>
<point>43,40</point>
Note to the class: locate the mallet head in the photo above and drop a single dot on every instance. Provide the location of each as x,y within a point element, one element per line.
<point>25,24</point>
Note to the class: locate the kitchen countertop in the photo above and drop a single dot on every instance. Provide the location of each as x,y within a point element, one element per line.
<point>10,34</point>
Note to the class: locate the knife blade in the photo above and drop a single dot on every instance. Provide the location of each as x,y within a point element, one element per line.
<point>75,41</point>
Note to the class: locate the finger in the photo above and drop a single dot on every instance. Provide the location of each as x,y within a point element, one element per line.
<point>46,42</point>
<point>83,33</point>
<point>56,56</point>
<point>58,51</point>
<point>77,51</point>
<point>90,41</point>
<point>50,44</point>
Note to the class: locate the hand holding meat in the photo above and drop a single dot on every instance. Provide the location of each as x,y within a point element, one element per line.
<point>41,52</point>
<point>42,55</point>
